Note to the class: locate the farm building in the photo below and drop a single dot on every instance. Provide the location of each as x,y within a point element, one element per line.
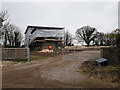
<point>41,37</point>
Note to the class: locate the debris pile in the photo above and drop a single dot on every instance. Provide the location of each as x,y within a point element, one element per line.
<point>46,50</point>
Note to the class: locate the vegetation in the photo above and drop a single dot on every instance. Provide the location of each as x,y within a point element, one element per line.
<point>23,60</point>
<point>102,39</point>
<point>115,35</point>
<point>68,39</point>
<point>87,33</point>
<point>10,32</point>
<point>90,34</point>
<point>109,73</point>
<point>36,57</point>
<point>106,73</point>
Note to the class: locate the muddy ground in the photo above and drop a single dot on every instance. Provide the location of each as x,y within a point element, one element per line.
<point>60,71</point>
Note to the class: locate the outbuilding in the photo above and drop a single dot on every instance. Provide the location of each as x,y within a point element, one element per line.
<point>41,37</point>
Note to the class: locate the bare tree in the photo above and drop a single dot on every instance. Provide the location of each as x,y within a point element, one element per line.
<point>17,37</point>
<point>11,33</point>
<point>68,38</point>
<point>13,36</point>
<point>86,33</point>
<point>4,15</point>
<point>102,39</point>
<point>114,37</point>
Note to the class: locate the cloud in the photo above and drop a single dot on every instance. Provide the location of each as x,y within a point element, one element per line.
<point>102,15</point>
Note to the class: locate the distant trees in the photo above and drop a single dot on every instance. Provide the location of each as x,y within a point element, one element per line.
<point>107,39</point>
<point>87,33</point>
<point>4,15</point>
<point>10,32</point>
<point>115,46</point>
<point>68,38</point>
<point>102,39</point>
<point>12,36</point>
<point>115,37</point>
<point>90,34</point>
<point>117,40</point>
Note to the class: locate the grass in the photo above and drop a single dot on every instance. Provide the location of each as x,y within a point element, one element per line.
<point>8,63</point>
<point>107,73</point>
<point>110,69</point>
<point>32,57</point>
<point>95,49</point>
<point>36,57</point>
<point>24,60</point>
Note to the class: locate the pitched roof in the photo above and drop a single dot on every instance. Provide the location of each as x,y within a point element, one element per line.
<point>43,27</point>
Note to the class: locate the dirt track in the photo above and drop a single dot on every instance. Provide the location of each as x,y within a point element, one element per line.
<point>60,71</point>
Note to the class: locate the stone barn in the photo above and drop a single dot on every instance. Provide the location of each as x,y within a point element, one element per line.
<point>41,37</point>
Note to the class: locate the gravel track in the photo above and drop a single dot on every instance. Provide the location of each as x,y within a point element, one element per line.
<point>54,72</point>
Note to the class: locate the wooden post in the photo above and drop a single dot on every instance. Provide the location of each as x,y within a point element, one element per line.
<point>1,67</point>
<point>101,53</point>
<point>28,54</point>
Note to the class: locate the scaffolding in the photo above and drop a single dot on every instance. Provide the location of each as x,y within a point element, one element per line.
<point>35,33</point>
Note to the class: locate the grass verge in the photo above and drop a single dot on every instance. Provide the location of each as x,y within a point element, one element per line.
<point>106,73</point>
<point>36,57</point>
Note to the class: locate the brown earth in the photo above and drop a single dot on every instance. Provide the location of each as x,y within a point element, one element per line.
<point>54,72</point>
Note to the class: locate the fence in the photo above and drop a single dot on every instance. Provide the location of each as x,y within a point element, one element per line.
<point>15,53</point>
<point>110,54</point>
<point>69,49</point>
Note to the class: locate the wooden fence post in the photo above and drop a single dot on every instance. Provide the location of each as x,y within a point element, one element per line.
<point>28,54</point>
<point>101,52</point>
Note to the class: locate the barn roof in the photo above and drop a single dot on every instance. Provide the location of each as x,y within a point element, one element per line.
<point>43,27</point>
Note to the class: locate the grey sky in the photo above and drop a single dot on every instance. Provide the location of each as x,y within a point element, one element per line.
<point>72,15</point>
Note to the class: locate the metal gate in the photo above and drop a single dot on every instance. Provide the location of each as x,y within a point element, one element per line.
<point>15,53</point>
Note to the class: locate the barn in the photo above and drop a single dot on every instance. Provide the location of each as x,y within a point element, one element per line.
<point>41,37</point>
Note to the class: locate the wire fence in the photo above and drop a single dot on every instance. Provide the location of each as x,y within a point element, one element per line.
<point>78,49</point>
<point>15,53</point>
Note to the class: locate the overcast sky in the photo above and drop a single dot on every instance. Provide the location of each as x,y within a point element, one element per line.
<point>71,15</point>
